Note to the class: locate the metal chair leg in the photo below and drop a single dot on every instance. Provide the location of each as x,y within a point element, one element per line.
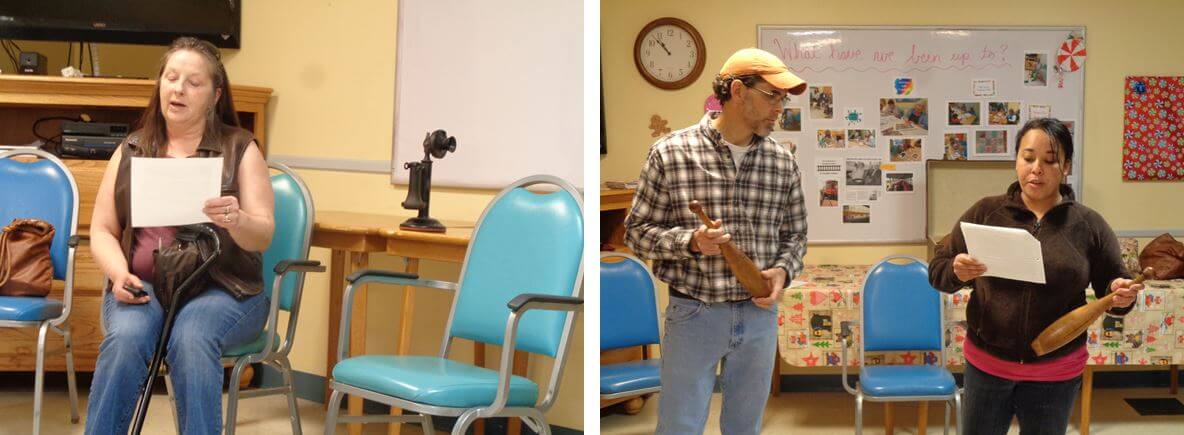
<point>168,386</point>
<point>541,421</point>
<point>232,396</point>
<point>331,413</point>
<point>463,422</point>
<point>958,411</point>
<point>946,428</point>
<point>428,427</point>
<point>859,414</point>
<point>293,408</point>
<point>39,378</point>
<point>71,383</point>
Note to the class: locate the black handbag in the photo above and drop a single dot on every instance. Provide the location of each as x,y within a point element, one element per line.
<point>193,245</point>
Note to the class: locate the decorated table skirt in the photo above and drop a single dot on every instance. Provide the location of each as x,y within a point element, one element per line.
<point>814,314</point>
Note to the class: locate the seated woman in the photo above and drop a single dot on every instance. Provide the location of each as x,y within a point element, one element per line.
<point>189,115</point>
<point>1004,378</point>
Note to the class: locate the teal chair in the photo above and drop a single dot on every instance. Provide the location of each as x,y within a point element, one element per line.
<point>284,265</point>
<point>525,255</point>
<point>628,318</point>
<point>46,190</point>
<point>901,312</point>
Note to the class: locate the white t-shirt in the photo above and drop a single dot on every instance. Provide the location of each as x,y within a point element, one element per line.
<point>738,152</point>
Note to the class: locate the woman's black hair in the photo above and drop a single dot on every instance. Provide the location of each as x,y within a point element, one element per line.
<point>1061,137</point>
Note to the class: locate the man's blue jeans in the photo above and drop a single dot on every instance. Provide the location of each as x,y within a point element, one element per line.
<point>990,402</point>
<point>209,323</point>
<point>699,336</point>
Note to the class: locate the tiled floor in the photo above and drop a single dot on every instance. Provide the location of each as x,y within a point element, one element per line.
<point>834,413</point>
<point>257,416</point>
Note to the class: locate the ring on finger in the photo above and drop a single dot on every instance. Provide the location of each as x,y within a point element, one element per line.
<point>226,217</point>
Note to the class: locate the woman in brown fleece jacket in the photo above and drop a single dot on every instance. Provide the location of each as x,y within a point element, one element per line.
<point>1004,377</point>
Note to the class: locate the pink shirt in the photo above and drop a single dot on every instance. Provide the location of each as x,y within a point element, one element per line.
<point>1054,370</point>
<point>147,240</point>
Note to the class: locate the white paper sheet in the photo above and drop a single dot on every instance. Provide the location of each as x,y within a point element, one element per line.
<point>1009,253</point>
<point>169,192</point>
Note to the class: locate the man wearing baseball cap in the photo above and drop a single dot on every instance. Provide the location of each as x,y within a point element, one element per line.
<point>752,186</point>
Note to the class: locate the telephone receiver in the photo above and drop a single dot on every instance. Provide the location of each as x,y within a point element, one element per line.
<point>435,144</point>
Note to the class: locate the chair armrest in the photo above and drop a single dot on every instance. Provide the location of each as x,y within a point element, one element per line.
<point>298,266</point>
<point>357,279</point>
<point>533,301</point>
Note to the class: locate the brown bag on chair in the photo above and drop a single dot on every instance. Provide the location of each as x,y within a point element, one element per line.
<point>25,266</point>
<point>177,262</point>
<point>1165,255</point>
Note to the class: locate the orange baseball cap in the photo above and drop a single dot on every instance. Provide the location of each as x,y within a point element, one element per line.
<point>754,61</point>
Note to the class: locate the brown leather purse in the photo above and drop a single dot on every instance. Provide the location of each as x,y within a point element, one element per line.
<point>25,266</point>
<point>182,260</point>
<point>1165,255</point>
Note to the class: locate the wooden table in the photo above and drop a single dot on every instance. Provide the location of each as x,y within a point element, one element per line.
<point>352,237</point>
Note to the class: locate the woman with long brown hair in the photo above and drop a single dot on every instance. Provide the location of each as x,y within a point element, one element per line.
<point>190,114</point>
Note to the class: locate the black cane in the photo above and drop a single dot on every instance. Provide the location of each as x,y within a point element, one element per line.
<point>166,332</point>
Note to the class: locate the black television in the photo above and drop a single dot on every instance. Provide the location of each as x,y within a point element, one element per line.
<point>149,22</point>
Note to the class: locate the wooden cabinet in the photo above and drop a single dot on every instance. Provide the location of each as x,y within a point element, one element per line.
<point>24,100</point>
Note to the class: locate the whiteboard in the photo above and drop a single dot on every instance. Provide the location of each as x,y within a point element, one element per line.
<point>865,183</point>
<point>505,78</point>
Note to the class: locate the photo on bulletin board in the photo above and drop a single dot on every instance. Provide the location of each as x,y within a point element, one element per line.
<point>831,139</point>
<point>905,150</point>
<point>963,113</point>
<point>861,138</point>
<point>1036,111</point>
<point>904,116</point>
<point>863,172</point>
<point>790,119</point>
<point>828,193</point>
<point>1036,68</point>
<point>955,146</point>
<point>898,182</point>
<point>822,102</point>
<point>990,143</point>
<point>857,214</point>
<point>1004,112</point>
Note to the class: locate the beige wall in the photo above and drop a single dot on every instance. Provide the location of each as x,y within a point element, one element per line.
<point>331,65</point>
<point>1117,37</point>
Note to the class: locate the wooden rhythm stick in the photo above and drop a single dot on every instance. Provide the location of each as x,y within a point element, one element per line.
<point>1072,324</point>
<point>742,266</point>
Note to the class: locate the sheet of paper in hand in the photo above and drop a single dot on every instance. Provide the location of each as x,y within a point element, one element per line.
<point>171,192</point>
<point>1010,253</point>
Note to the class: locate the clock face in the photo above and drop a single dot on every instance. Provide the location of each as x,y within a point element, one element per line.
<point>668,53</point>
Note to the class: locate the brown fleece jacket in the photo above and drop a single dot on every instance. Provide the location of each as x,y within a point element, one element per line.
<point>1005,315</point>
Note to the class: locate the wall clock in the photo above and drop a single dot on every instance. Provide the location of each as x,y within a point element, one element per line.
<point>669,53</point>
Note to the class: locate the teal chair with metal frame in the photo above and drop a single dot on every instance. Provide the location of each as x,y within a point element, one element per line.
<point>285,263</point>
<point>43,189</point>
<point>901,312</point>
<point>523,267</point>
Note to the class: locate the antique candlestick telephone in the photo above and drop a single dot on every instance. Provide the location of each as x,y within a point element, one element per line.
<point>419,192</point>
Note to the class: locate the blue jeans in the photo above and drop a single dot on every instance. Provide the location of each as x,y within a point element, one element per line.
<point>209,323</point>
<point>989,402</point>
<point>741,336</point>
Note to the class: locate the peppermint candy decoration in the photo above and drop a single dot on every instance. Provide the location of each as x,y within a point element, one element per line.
<point>1071,55</point>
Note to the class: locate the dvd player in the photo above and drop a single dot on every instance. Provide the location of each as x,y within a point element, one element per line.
<point>94,129</point>
<point>90,147</point>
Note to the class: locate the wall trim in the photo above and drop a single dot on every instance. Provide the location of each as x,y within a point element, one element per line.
<point>334,164</point>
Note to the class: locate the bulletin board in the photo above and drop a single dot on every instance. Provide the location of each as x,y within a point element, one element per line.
<point>883,100</point>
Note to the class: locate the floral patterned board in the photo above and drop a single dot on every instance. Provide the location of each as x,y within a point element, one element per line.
<point>1153,140</point>
<point>814,314</point>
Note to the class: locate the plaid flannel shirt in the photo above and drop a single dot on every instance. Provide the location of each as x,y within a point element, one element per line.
<point>761,206</point>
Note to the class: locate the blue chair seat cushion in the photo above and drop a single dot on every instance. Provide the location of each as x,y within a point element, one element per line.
<point>253,347</point>
<point>630,376</point>
<point>29,309</point>
<point>898,381</point>
<point>431,380</point>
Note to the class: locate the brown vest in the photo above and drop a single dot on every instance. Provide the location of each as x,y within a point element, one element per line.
<point>238,271</point>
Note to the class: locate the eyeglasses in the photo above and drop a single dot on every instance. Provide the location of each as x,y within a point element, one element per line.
<point>773,97</point>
